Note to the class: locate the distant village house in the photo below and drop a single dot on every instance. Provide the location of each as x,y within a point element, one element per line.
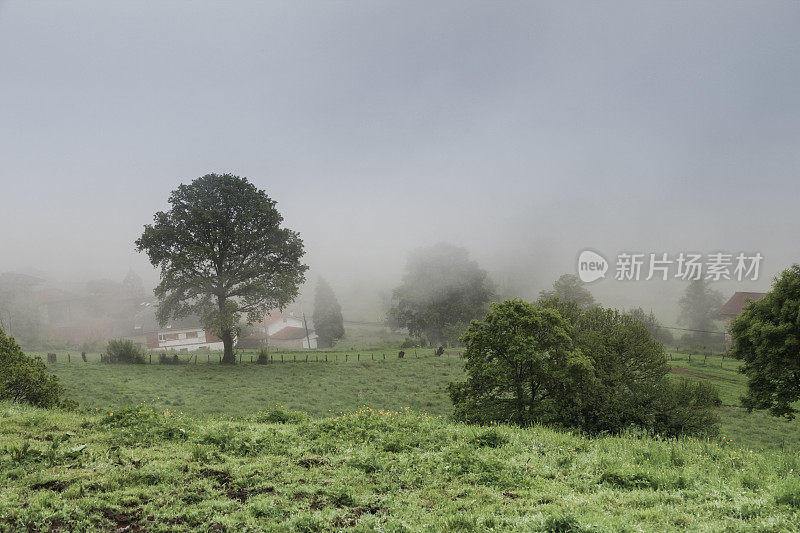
<point>734,307</point>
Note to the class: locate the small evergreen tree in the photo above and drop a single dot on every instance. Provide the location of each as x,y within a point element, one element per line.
<point>328,322</point>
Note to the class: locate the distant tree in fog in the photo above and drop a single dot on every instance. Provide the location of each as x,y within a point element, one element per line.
<point>569,288</point>
<point>328,322</point>
<point>442,290</point>
<point>223,255</point>
<point>19,315</point>
<point>700,306</point>
<point>654,327</point>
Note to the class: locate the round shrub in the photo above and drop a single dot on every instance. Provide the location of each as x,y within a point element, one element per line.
<point>124,351</point>
<point>25,379</point>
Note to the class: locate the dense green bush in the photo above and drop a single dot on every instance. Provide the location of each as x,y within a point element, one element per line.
<point>25,379</point>
<point>686,408</point>
<point>123,351</point>
<point>263,356</point>
<point>597,369</point>
<point>169,359</point>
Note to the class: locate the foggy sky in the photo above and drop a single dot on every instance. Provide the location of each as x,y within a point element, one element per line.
<point>523,131</point>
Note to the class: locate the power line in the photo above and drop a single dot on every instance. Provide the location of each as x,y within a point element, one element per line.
<point>694,330</point>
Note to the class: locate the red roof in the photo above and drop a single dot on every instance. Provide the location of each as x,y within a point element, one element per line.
<point>735,305</point>
<point>289,333</point>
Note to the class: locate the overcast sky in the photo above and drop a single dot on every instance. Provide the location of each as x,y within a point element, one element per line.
<point>524,131</point>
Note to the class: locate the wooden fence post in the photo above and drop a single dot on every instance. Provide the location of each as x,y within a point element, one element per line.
<point>151,358</point>
<point>69,359</point>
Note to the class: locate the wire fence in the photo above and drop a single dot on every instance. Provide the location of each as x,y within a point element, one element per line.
<point>277,357</point>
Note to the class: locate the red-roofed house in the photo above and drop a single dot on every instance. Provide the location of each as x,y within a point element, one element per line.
<point>734,307</point>
<point>283,330</point>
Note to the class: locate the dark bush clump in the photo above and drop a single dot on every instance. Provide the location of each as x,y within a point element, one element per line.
<point>165,359</point>
<point>686,408</point>
<point>263,356</point>
<point>413,343</point>
<point>123,351</point>
<point>25,379</point>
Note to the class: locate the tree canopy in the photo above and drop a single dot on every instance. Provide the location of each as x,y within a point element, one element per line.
<point>519,361</point>
<point>598,370</point>
<point>442,290</point>
<point>223,255</point>
<point>328,322</point>
<point>569,288</point>
<point>766,337</point>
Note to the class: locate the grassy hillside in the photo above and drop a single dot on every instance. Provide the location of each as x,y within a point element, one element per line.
<point>371,470</point>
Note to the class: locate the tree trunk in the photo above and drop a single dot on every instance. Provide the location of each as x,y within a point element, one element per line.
<point>227,342</point>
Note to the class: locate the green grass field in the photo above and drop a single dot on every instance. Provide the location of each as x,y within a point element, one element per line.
<point>343,383</point>
<point>319,388</point>
<point>141,469</point>
<point>268,448</point>
<point>757,430</point>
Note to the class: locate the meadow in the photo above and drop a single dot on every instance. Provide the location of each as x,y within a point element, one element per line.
<point>320,388</point>
<point>142,468</point>
<point>364,443</point>
<point>346,381</point>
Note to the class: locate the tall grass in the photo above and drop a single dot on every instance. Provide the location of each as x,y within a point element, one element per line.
<point>370,469</point>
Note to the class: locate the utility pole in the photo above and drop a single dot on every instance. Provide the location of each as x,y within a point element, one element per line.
<point>308,337</point>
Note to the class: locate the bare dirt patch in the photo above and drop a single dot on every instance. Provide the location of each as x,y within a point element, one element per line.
<point>686,372</point>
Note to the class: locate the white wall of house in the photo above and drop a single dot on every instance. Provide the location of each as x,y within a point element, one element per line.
<point>313,339</point>
<point>285,322</point>
<point>187,340</point>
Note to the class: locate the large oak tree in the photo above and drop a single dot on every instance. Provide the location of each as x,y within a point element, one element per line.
<point>223,255</point>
